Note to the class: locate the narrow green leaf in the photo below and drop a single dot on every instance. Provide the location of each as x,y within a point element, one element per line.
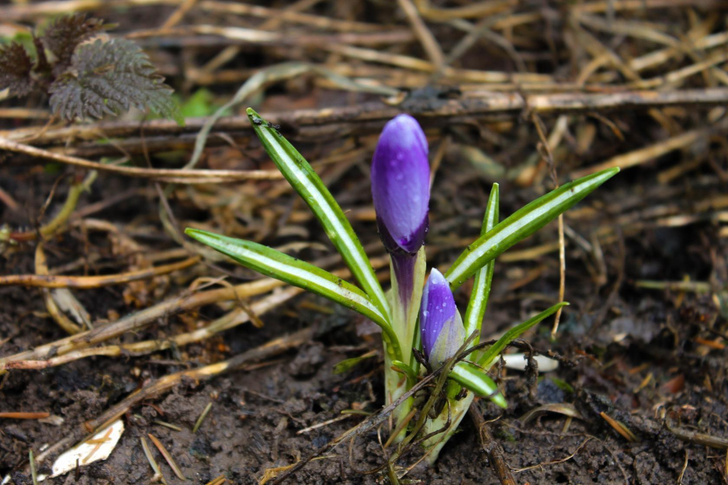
<point>299,273</point>
<point>400,366</point>
<point>491,353</point>
<point>476,380</point>
<point>347,364</point>
<point>521,224</point>
<point>483,278</point>
<point>309,186</point>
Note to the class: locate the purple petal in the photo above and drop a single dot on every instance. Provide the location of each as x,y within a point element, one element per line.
<point>401,183</point>
<point>440,324</point>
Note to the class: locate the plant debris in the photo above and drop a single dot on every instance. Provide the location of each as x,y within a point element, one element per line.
<point>111,315</point>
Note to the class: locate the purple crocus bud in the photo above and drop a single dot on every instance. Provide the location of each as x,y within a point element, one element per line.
<point>401,185</point>
<point>440,324</point>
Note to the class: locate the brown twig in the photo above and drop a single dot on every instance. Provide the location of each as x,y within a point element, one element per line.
<point>21,415</point>
<point>160,174</point>
<point>480,102</point>
<point>86,282</point>
<point>496,455</point>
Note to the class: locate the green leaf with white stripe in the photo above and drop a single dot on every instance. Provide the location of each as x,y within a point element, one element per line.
<point>488,356</point>
<point>278,265</point>
<point>483,278</point>
<point>521,224</point>
<point>309,186</point>
<point>476,380</point>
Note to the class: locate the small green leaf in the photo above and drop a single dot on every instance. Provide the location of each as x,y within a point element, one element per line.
<point>489,355</point>
<point>286,268</point>
<point>348,364</point>
<point>400,366</point>
<point>521,224</point>
<point>476,380</point>
<point>199,104</point>
<point>309,186</point>
<point>562,384</point>
<point>483,278</point>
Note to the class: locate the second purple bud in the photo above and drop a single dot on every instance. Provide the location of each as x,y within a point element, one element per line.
<point>441,326</point>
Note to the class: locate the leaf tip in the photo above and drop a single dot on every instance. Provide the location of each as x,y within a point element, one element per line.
<point>611,172</point>
<point>196,234</point>
<point>499,401</point>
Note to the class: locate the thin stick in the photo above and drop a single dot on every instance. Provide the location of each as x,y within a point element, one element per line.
<point>496,455</point>
<point>21,415</point>
<point>86,282</point>
<point>194,176</point>
<point>311,123</point>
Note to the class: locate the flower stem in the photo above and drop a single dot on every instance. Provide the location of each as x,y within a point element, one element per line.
<point>408,274</point>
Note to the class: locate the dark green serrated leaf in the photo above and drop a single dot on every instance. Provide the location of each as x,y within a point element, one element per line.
<point>15,68</point>
<point>65,33</point>
<point>108,78</point>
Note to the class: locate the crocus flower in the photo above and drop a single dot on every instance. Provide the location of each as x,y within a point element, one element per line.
<point>441,327</point>
<point>401,185</point>
<point>401,193</point>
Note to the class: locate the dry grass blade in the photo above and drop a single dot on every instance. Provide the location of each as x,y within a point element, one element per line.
<point>202,417</point>
<point>168,457</point>
<point>288,16</point>
<point>81,345</point>
<point>474,10</point>
<point>41,268</point>
<point>560,408</point>
<point>649,153</point>
<point>619,427</point>
<point>429,43</point>
<point>158,476</point>
<point>33,471</point>
<point>221,480</point>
